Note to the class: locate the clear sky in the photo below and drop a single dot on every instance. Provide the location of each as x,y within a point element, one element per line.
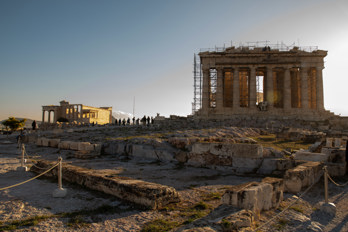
<point>106,52</point>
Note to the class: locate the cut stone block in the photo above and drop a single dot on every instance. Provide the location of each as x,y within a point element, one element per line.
<point>238,220</point>
<point>85,154</point>
<point>32,138</point>
<point>338,142</point>
<point>268,166</point>
<point>148,152</point>
<point>114,148</point>
<point>336,155</point>
<point>81,146</point>
<point>284,164</point>
<point>311,156</point>
<point>45,142</point>
<point>64,145</point>
<point>74,146</point>
<point>302,176</point>
<point>54,142</point>
<point>89,147</point>
<point>255,196</point>
<point>97,147</point>
<point>207,160</point>
<point>39,142</point>
<point>336,169</point>
<point>150,195</point>
<point>278,189</point>
<point>246,165</point>
<point>231,150</point>
<point>329,142</point>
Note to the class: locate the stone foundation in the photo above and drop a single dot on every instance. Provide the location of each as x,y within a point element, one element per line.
<point>150,195</point>
<point>83,149</point>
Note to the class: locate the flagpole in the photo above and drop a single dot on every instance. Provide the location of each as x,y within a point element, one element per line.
<point>134,106</point>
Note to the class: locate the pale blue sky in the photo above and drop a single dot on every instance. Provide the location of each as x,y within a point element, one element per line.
<point>105,53</point>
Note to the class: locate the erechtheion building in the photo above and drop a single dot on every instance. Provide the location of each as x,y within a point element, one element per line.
<point>251,80</point>
<point>76,113</point>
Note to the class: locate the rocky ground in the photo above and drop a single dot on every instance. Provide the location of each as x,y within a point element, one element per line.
<point>31,207</point>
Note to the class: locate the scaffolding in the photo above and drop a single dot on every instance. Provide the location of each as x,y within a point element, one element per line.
<point>197,84</point>
<point>260,44</point>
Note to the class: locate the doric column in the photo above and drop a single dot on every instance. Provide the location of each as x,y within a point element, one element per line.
<point>81,113</point>
<point>269,86</point>
<point>287,89</point>
<point>320,92</point>
<point>71,113</point>
<point>55,115</point>
<point>43,115</point>
<point>252,88</point>
<point>236,100</point>
<point>304,87</point>
<point>76,111</point>
<point>49,116</point>
<point>219,88</point>
<point>205,92</point>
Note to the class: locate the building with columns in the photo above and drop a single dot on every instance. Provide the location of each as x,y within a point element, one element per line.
<point>260,81</point>
<point>76,113</point>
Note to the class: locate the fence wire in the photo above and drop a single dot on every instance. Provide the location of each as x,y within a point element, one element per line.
<point>8,187</point>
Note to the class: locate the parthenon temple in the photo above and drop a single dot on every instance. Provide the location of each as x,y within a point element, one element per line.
<point>76,113</point>
<point>260,81</point>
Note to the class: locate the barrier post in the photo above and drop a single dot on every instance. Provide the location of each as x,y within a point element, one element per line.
<point>329,208</point>
<point>22,167</point>
<point>326,186</point>
<point>60,191</point>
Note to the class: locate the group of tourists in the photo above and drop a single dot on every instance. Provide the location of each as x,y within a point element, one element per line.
<point>144,121</point>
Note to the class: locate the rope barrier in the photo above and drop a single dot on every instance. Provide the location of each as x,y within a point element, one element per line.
<point>31,160</point>
<point>339,185</point>
<point>8,187</point>
<point>286,208</point>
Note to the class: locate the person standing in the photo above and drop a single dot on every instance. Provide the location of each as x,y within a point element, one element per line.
<point>148,120</point>
<point>143,120</point>
<point>33,125</point>
<point>347,156</point>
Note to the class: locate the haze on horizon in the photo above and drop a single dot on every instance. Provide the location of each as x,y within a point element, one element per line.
<point>106,53</point>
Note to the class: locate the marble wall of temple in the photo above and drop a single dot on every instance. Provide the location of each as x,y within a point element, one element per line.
<point>78,113</point>
<point>262,80</point>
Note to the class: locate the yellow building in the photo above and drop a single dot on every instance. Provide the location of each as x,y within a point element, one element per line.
<point>76,113</point>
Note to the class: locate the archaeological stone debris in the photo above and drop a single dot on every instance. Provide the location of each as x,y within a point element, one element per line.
<point>258,113</point>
